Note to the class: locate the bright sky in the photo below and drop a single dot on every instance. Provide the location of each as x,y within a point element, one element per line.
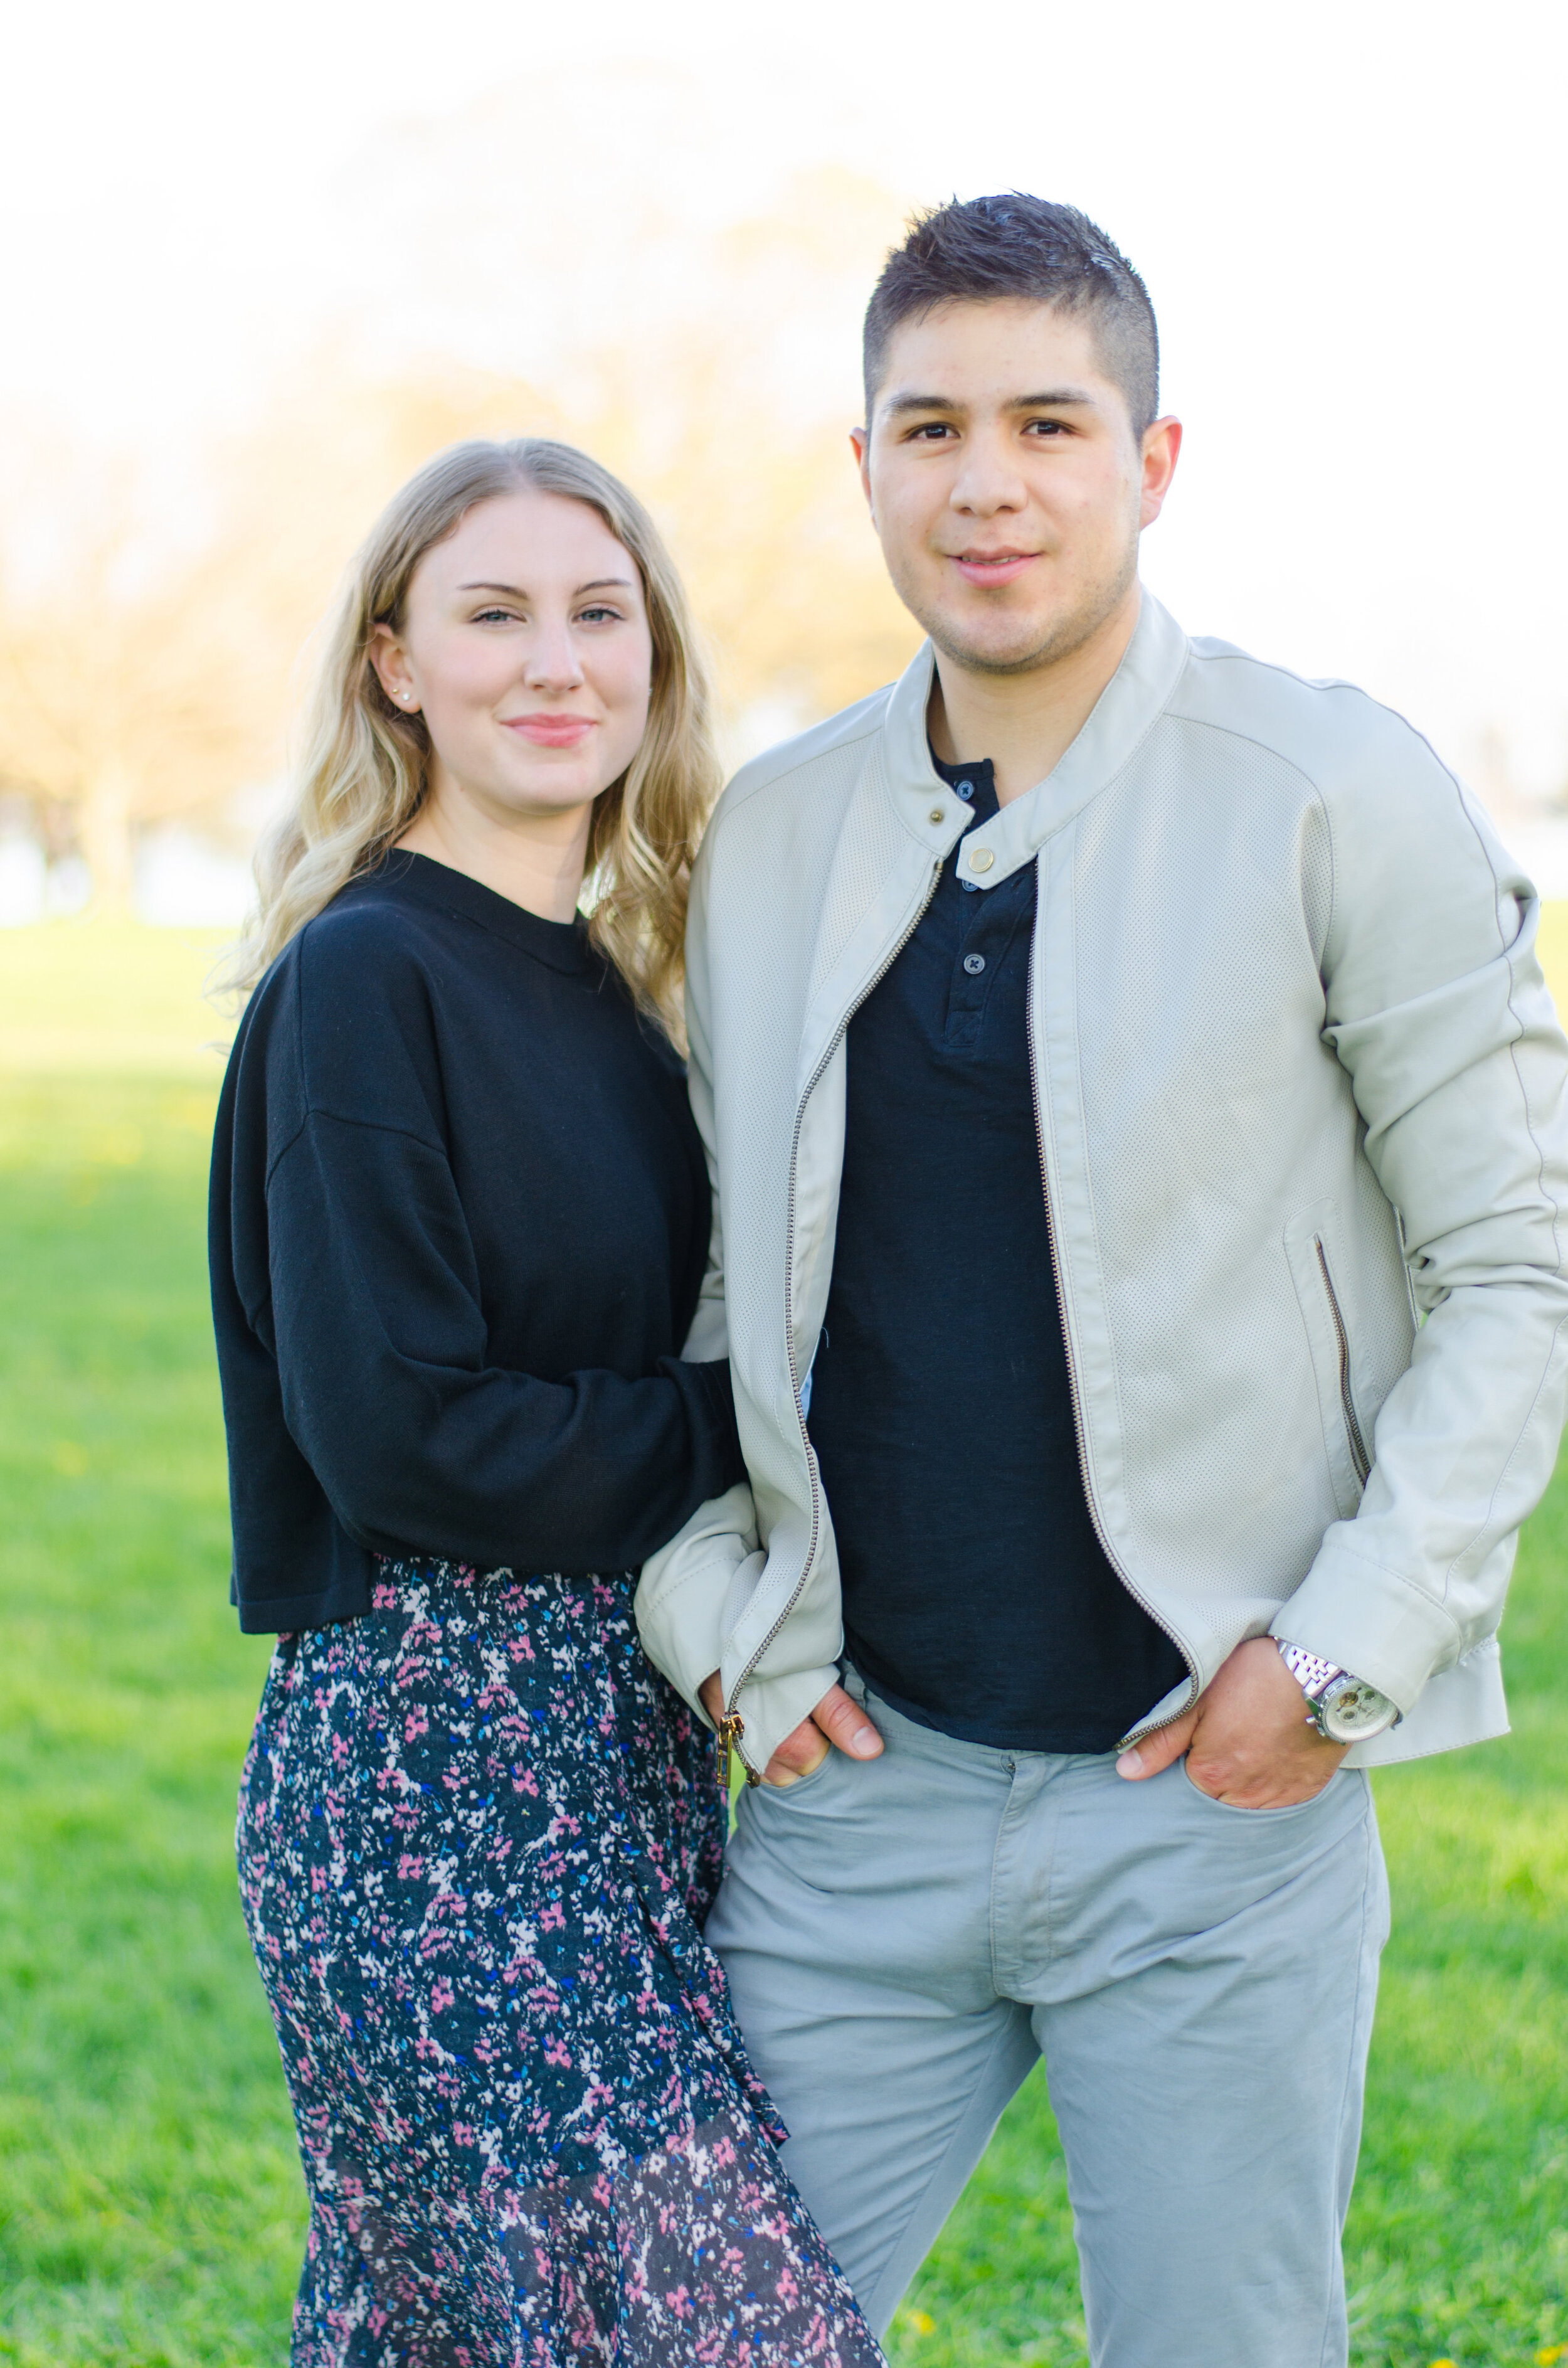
<point>1351,216</point>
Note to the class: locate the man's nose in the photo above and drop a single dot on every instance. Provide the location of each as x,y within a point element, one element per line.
<point>989,480</point>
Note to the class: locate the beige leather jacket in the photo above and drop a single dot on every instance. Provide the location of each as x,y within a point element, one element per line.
<point>1304,1129</point>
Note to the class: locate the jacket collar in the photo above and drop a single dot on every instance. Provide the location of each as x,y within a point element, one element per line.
<point>901,819</point>
<point>1136,694</point>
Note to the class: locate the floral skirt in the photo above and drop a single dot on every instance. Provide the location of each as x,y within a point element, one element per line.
<point>478,1839</point>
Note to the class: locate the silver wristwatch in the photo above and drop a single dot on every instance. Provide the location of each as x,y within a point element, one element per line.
<point>1342,1708</point>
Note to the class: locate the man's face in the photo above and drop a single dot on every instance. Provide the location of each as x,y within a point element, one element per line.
<point>1006,484</point>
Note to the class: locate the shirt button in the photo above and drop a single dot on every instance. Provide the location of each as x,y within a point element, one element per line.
<point>981,858</point>
<point>963,789</point>
<point>937,813</point>
<point>975,964</point>
<point>970,887</point>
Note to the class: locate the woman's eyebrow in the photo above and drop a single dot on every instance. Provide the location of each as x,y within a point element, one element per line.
<point>514,591</point>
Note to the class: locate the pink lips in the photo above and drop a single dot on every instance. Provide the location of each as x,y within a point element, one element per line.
<point>548,730</point>
<point>1004,568</point>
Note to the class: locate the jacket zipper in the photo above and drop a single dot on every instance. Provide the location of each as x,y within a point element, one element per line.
<point>1358,1455</point>
<point>1106,1547</point>
<point>734,1726</point>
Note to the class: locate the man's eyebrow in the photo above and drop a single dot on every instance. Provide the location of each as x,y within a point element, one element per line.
<point>1056,398</point>
<point>897,404</point>
<point>514,591</point>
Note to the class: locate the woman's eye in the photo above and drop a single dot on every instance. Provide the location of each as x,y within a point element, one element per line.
<point>493,616</point>
<point>594,616</point>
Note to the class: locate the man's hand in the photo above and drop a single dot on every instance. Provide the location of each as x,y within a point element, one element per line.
<point>837,1720</point>
<point>1247,1738</point>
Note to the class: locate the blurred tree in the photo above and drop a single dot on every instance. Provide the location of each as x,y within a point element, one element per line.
<point>119,704</point>
<point>143,677</point>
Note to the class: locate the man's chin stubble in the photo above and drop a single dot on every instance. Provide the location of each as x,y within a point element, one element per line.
<point>1066,635</point>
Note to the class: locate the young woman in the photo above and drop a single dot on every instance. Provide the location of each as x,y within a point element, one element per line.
<point>459,1219</point>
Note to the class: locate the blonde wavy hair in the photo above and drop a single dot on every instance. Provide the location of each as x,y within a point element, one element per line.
<point>364,766</point>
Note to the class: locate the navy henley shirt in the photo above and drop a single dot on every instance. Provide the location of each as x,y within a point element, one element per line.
<point>977,1598</point>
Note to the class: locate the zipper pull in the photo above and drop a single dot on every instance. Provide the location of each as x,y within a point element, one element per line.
<point>732,1726</point>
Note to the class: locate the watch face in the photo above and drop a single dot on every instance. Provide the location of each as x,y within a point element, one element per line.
<point>1352,1712</point>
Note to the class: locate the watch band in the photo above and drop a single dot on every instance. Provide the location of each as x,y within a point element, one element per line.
<point>1311,1672</point>
<point>1342,1709</point>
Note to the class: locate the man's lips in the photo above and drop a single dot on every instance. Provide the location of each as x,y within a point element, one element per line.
<point>548,730</point>
<point>993,567</point>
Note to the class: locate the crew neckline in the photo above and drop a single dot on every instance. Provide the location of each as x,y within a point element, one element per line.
<point>561,945</point>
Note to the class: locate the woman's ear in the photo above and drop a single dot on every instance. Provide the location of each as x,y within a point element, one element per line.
<point>392,670</point>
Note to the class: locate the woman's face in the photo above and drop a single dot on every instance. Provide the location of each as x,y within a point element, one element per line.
<point>525,642</point>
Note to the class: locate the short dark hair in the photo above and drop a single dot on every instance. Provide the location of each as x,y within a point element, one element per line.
<point>989,249</point>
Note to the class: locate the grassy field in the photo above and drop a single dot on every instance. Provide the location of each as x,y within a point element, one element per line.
<point>151,2211</point>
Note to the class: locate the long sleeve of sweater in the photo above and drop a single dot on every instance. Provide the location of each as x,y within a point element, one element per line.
<point>420,1440</point>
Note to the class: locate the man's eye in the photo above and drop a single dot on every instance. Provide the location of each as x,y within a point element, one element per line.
<point>930,431</point>
<point>1048,427</point>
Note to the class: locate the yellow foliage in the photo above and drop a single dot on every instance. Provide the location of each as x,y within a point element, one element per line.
<point>141,681</point>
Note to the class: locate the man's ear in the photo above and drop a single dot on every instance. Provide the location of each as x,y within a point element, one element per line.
<point>860,438</point>
<point>1162,444</point>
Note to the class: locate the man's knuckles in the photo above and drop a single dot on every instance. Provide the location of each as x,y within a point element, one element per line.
<point>1155,1753</point>
<point>1246,1788</point>
<point>792,1760</point>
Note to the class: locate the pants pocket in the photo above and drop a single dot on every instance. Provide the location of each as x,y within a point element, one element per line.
<point>1259,1816</point>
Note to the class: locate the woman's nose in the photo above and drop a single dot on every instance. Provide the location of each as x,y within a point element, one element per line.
<point>551,663</point>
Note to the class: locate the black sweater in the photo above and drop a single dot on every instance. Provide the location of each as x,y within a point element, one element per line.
<point>459,1217</point>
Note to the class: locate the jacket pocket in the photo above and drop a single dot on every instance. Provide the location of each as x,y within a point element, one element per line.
<point>1310,1245</point>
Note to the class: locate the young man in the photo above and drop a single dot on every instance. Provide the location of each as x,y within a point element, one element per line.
<point>1140,1129</point>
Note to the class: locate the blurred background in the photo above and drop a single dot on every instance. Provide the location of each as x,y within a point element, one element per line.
<point>257,265</point>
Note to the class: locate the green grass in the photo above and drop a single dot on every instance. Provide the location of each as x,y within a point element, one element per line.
<point>149,2200</point>
<point>150,2210</point>
<point>88,997</point>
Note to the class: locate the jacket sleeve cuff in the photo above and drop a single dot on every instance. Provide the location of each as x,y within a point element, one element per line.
<point>1369,1620</point>
<point>684,1588</point>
